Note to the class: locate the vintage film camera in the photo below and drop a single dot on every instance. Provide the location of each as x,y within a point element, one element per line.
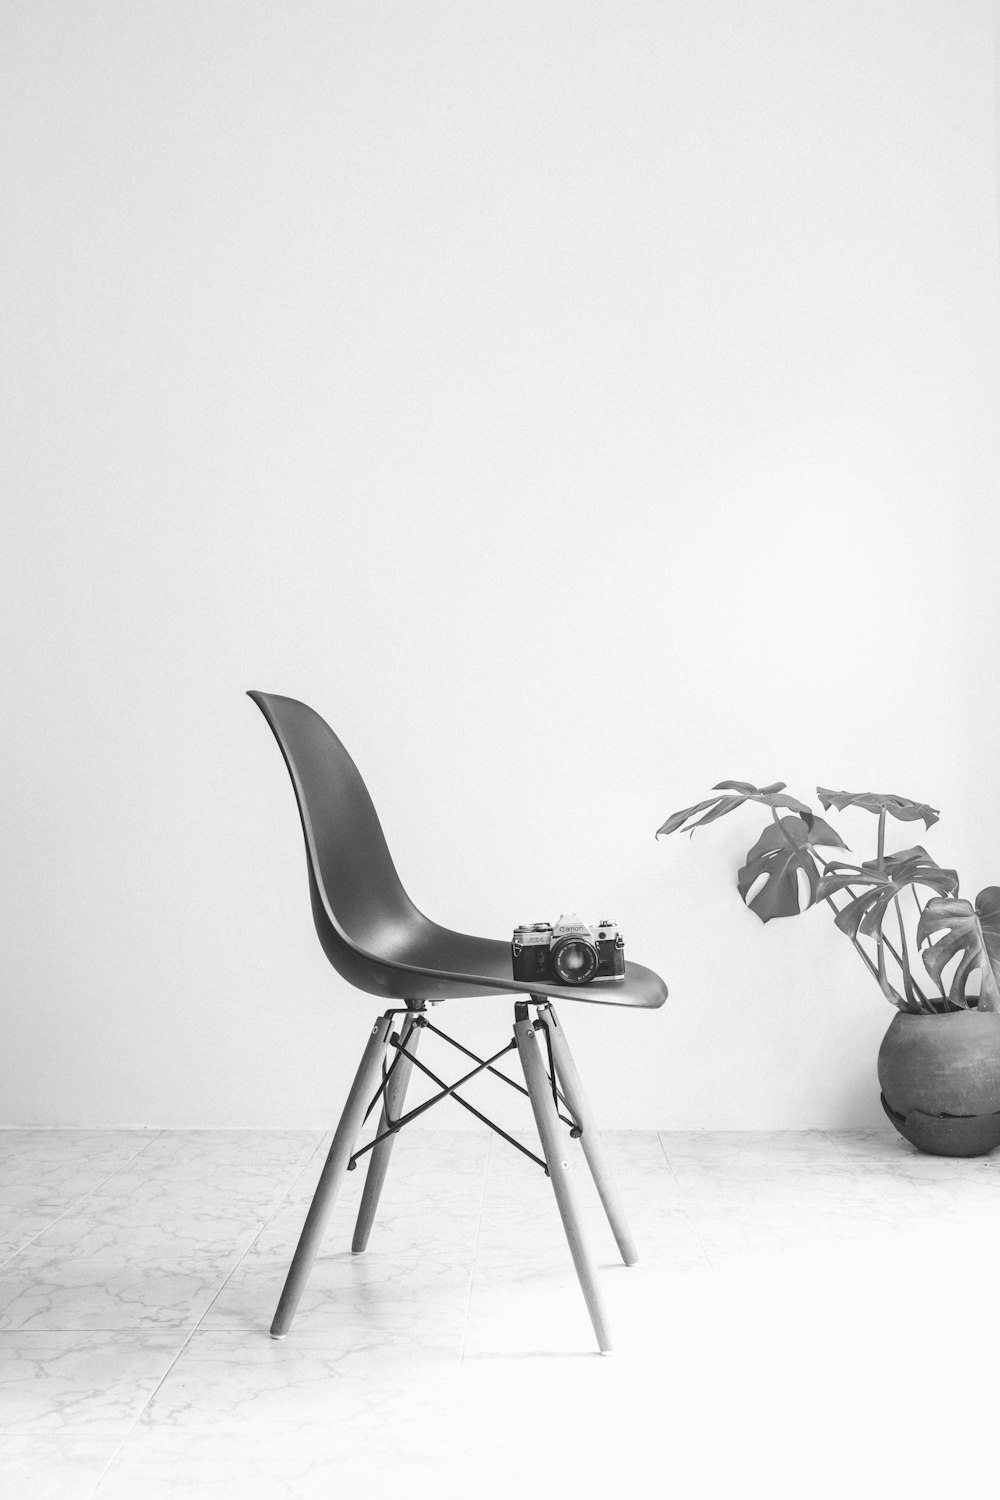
<point>568,953</point>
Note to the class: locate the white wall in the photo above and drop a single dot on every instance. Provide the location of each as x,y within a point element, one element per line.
<point>577,403</point>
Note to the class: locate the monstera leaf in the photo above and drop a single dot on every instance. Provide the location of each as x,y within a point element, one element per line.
<point>739,792</point>
<point>884,881</point>
<point>783,849</point>
<point>879,802</point>
<point>973,932</point>
<point>864,914</point>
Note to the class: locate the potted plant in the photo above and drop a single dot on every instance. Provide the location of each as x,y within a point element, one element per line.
<point>939,1062</point>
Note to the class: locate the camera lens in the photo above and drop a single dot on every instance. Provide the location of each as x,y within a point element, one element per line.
<point>574,960</point>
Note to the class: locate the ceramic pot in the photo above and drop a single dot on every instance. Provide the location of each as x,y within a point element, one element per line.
<point>940,1078</point>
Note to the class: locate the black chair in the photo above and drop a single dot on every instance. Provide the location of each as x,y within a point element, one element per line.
<point>376,939</point>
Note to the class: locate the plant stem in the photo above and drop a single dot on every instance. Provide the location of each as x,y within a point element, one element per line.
<point>883,978</point>
<point>920,912</point>
<point>914,994</point>
<point>908,986</point>
<point>872,969</point>
<point>860,951</point>
<point>880,866</point>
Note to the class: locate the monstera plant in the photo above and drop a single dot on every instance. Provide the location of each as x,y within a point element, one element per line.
<point>894,908</point>
<point>787,871</point>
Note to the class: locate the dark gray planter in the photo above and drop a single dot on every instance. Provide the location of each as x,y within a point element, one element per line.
<point>940,1079</point>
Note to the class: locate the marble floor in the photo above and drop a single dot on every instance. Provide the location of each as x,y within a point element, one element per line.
<point>814,1314</point>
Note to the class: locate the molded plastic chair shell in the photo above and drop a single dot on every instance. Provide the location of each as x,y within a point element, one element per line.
<point>370,930</point>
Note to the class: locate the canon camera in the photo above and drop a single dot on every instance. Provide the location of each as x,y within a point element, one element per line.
<point>569,952</point>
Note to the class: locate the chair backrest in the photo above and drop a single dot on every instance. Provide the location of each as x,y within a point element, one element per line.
<point>357,895</point>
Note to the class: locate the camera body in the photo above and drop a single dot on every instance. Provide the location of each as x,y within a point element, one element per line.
<point>569,952</point>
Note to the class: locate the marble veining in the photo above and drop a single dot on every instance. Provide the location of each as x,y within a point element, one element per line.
<point>793,1290</point>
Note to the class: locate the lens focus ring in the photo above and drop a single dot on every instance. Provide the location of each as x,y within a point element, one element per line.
<point>574,960</point>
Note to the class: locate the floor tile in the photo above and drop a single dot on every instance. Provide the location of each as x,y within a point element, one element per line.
<point>350,1292</point>
<point>288,1417</point>
<point>175,1467</point>
<point>765,1151</point>
<point>880,1141</point>
<point>146,1227</point>
<point>798,1302</point>
<point>95,1383</point>
<point>767,1383</point>
<point>53,1467</point>
<point>261,1388</point>
<point>19,1228</point>
<point>44,1173</point>
<point>27,1157</point>
<point>94,1295</point>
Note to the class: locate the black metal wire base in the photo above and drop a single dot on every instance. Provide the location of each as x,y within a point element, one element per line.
<point>450,1091</point>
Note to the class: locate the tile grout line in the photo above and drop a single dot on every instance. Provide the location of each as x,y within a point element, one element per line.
<point>192,1331</point>
<point>684,1203</point>
<point>77,1201</point>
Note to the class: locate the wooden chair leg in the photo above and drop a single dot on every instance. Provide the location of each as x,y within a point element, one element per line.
<point>590,1140</point>
<point>395,1096</point>
<point>332,1176</point>
<point>547,1121</point>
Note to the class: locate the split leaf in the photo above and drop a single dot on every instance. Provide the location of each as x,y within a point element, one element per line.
<point>739,792</point>
<point>973,934</point>
<point>783,849</point>
<point>909,867</point>
<point>902,808</point>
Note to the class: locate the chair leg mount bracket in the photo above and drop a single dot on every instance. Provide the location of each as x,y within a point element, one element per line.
<point>450,1091</point>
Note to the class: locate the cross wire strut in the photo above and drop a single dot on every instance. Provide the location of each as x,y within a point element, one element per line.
<point>446,1091</point>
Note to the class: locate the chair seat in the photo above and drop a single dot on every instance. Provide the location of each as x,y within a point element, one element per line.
<point>434,963</point>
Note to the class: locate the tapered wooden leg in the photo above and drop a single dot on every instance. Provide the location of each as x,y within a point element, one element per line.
<point>332,1176</point>
<point>556,1158</point>
<point>590,1140</point>
<point>395,1096</point>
